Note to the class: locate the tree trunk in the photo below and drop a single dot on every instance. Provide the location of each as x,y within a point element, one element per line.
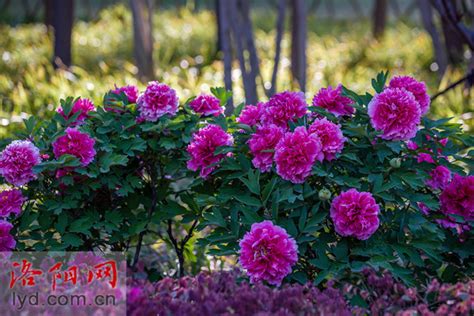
<point>438,48</point>
<point>225,38</point>
<point>48,14</point>
<point>380,18</point>
<point>454,43</point>
<point>63,16</point>
<point>280,28</point>
<point>142,13</point>
<point>298,43</point>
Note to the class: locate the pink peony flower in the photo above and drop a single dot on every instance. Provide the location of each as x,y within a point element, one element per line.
<point>330,135</point>
<point>412,145</point>
<point>457,197</point>
<point>296,153</point>
<point>265,139</point>
<point>333,101</point>
<point>130,91</point>
<point>284,107</point>
<point>417,88</point>
<point>157,100</point>
<point>423,208</point>
<point>77,144</point>
<point>17,161</point>
<point>355,214</point>
<point>82,105</point>
<point>207,105</point>
<point>11,202</point>
<point>7,242</point>
<point>396,113</point>
<point>251,114</point>
<point>202,148</point>
<point>424,157</point>
<point>439,178</point>
<point>268,253</point>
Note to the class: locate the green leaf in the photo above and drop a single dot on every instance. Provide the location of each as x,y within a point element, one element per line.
<point>110,159</point>
<point>248,200</point>
<point>72,240</point>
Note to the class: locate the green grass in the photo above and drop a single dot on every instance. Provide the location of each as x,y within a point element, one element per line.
<point>185,58</point>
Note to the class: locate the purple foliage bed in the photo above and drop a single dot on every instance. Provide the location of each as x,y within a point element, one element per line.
<point>225,293</point>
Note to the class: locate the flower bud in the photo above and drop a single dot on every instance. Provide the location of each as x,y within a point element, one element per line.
<point>396,162</point>
<point>324,194</point>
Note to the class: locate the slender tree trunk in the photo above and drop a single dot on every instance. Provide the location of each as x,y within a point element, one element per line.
<point>253,61</point>
<point>142,13</point>
<point>438,48</point>
<point>224,34</point>
<point>454,43</point>
<point>63,16</point>
<point>219,26</point>
<point>380,18</point>
<point>48,14</point>
<point>280,28</point>
<point>298,42</point>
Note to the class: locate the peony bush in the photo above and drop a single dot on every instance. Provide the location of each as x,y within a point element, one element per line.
<point>298,192</point>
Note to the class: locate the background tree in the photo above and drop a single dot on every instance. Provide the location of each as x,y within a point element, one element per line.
<point>142,11</point>
<point>380,17</point>
<point>62,21</point>
<point>298,42</point>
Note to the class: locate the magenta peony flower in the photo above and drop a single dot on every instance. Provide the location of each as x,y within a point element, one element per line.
<point>417,88</point>
<point>157,100</point>
<point>296,153</point>
<point>355,214</point>
<point>267,252</point>
<point>130,91</point>
<point>207,105</point>
<point>412,145</point>
<point>333,101</point>
<point>439,178</point>
<point>424,157</point>
<point>251,114</point>
<point>330,135</point>
<point>17,161</point>
<point>396,113</point>
<point>202,148</point>
<point>83,105</point>
<point>77,144</point>
<point>11,202</point>
<point>458,197</point>
<point>284,107</point>
<point>265,139</point>
<point>7,242</point>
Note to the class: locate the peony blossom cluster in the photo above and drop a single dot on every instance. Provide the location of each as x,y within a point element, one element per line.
<point>207,105</point>
<point>330,135</point>
<point>157,100</point>
<point>130,91</point>
<point>284,107</point>
<point>439,178</point>
<point>333,101</point>
<point>396,113</point>
<point>77,144</point>
<point>417,88</point>
<point>17,161</point>
<point>457,197</point>
<point>267,253</point>
<point>11,202</point>
<point>262,145</point>
<point>251,115</point>
<point>7,242</point>
<point>203,146</point>
<point>296,153</point>
<point>82,106</point>
<point>397,110</point>
<point>355,214</point>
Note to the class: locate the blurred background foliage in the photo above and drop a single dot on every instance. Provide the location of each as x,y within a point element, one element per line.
<point>340,49</point>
